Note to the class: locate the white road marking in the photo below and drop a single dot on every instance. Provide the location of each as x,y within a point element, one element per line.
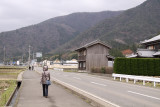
<point>85,92</point>
<point>144,95</point>
<point>77,78</point>
<point>98,84</point>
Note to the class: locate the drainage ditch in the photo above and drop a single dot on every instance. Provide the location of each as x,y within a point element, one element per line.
<point>12,100</point>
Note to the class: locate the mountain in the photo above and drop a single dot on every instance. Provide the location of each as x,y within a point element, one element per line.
<point>132,26</point>
<point>50,34</point>
<point>62,34</point>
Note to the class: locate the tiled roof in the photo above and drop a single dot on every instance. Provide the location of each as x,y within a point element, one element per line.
<point>151,40</point>
<point>93,43</point>
<point>128,51</point>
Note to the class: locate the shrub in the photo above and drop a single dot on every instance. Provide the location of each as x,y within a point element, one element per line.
<point>95,70</point>
<point>103,70</point>
<point>109,70</point>
<point>137,66</point>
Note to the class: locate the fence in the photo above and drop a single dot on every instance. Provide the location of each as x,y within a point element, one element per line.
<point>135,78</point>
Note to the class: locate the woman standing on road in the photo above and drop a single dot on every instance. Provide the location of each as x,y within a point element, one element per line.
<point>44,80</point>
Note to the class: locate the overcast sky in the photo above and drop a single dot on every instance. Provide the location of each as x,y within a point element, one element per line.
<point>15,14</point>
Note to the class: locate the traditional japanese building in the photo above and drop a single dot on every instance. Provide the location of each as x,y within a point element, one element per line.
<point>93,55</point>
<point>151,48</point>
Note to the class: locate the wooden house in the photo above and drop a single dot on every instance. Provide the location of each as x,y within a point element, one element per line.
<point>93,55</point>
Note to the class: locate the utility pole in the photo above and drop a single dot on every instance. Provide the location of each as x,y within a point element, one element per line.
<point>33,56</point>
<point>22,59</point>
<point>29,58</point>
<point>4,56</point>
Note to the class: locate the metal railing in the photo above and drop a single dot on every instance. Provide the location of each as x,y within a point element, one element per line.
<point>135,78</point>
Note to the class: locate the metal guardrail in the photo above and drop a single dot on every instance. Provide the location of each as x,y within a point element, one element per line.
<point>135,78</point>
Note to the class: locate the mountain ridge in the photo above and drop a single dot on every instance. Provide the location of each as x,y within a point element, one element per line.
<point>50,34</point>
<point>130,27</point>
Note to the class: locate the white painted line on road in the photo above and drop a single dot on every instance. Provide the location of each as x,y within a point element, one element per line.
<point>77,78</point>
<point>98,84</point>
<point>144,95</point>
<point>82,91</point>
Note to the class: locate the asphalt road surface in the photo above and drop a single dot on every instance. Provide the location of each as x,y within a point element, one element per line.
<point>121,94</point>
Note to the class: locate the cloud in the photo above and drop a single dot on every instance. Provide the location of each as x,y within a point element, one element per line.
<point>19,13</point>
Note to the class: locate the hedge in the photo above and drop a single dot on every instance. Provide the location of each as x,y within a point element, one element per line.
<point>137,66</point>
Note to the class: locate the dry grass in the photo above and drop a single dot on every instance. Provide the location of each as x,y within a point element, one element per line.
<point>9,74</point>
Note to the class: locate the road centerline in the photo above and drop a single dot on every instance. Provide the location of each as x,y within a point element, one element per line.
<point>98,84</point>
<point>144,95</point>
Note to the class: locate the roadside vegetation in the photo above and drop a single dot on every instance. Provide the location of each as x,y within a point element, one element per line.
<point>8,77</point>
<point>103,70</point>
<point>7,87</point>
<point>70,70</point>
<point>10,73</point>
<point>137,66</point>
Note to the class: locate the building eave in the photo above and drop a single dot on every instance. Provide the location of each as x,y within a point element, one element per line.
<point>93,43</point>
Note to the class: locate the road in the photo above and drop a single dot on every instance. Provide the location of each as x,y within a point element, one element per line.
<point>121,94</point>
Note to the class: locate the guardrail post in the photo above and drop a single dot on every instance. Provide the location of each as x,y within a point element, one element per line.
<point>143,82</point>
<point>114,78</point>
<point>120,79</point>
<point>126,79</point>
<point>154,84</point>
<point>134,81</point>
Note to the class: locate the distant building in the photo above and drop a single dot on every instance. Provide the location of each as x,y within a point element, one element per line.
<point>93,55</point>
<point>46,62</point>
<point>151,50</point>
<point>72,62</point>
<point>127,52</point>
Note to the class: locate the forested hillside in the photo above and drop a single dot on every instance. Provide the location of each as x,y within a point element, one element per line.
<point>50,34</point>
<point>130,27</point>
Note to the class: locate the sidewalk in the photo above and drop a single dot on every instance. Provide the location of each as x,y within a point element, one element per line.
<point>31,94</point>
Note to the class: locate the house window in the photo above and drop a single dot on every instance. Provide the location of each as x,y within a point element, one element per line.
<point>84,65</point>
<point>151,47</point>
<point>80,64</point>
<point>85,52</point>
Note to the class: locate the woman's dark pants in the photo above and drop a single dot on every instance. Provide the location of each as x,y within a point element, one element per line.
<point>45,89</point>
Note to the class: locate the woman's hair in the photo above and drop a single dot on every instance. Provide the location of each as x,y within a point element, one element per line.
<point>45,68</point>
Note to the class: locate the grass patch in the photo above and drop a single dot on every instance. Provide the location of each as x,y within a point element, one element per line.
<point>9,73</point>
<point>13,67</point>
<point>6,89</point>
